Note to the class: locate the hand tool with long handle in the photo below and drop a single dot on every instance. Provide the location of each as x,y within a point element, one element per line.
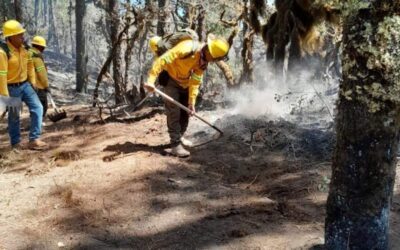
<point>59,114</point>
<point>170,99</point>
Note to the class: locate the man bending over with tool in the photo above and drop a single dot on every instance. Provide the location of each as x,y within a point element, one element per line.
<point>16,76</point>
<point>185,64</point>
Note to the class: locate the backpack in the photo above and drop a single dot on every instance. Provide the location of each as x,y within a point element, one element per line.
<point>5,48</point>
<point>169,41</point>
<point>36,55</point>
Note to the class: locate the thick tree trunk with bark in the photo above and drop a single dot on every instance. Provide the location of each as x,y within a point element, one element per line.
<point>81,54</point>
<point>364,162</point>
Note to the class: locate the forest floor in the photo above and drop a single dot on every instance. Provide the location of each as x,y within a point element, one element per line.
<point>110,186</point>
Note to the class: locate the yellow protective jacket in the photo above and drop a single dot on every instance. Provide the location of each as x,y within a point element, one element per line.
<point>42,81</point>
<point>17,68</point>
<point>183,65</point>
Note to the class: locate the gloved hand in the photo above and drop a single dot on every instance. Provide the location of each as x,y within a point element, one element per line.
<point>192,109</point>
<point>47,90</point>
<point>150,88</point>
<point>13,111</point>
<point>11,104</point>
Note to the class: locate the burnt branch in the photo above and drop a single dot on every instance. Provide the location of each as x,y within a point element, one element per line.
<point>226,70</point>
<point>232,36</point>
<point>230,23</point>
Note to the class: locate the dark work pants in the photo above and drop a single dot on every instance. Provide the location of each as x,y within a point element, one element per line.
<point>42,94</point>
<point>177,118</point>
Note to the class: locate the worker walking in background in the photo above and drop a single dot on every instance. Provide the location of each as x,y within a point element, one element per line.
<point>185,64</point>
<point>16,78</point>
<point>42,83</point>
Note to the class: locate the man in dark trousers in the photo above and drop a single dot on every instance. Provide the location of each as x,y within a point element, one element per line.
<point>185,64</point>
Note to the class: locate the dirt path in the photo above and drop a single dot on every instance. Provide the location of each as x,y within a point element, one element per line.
<point>109,186</point>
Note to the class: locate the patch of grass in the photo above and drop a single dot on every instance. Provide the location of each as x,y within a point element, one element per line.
<point>66,194</point>
<point>9,158</point>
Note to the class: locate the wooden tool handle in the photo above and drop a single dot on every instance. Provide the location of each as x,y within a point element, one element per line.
<point>170,99</point>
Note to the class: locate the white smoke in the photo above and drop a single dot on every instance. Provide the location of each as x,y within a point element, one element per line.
<point>268,96</point>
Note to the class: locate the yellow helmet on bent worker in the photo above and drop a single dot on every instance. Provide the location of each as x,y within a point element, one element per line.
<point>12,28</point>
<point>153,43</point>
<point>38,40</point>
<point>217,47</point>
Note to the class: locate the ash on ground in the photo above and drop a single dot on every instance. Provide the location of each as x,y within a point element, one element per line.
<point>262,135</point>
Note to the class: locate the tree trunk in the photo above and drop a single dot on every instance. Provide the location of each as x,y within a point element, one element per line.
<point>129,51</point>
<point>70,11</point>
<point>364,161</point>
<point>64,37</point>
<point>52,35</point>
<point>5,7</point>
<point>118,71</point>
<point>45,9</point>
<point>36,13</point>
<point>163,24</point>
<point>247,55</point>
<point>81,56</point>
<point>201,23</point>
<point>18,11</point>
<point>107,63</point>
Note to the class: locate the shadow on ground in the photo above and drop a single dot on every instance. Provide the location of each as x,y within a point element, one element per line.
<point>223,194</point>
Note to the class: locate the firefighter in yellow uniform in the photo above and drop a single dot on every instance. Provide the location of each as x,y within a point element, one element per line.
<point>185,64</point>
<point>42,83</point>
<point>16,79</point>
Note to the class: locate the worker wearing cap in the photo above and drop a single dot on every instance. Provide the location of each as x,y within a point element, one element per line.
<point>16,78</point>
<point>185,69</point>
<point>42,83</point>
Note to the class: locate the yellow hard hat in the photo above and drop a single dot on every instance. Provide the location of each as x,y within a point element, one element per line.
<point>12,28</point>
<point>38,40</point>
<point>218,47</point>
<point>153,43</point>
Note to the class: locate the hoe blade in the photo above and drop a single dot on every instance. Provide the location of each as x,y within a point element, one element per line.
<point>57,115</point>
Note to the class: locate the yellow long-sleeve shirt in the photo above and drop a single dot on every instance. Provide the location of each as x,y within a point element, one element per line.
<point>17,68</point>
<point>185,70</point>
<point>42,81</point>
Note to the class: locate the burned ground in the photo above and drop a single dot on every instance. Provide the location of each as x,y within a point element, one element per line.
<point>108,185</point>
